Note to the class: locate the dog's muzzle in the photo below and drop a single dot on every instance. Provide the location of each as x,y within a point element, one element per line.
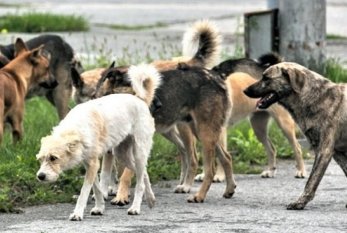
<point>41,176</point>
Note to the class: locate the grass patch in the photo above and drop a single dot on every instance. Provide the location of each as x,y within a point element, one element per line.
<point>335,37</point>
<point>335,71</point>
<point>131,27</point>
<point>43,22</point>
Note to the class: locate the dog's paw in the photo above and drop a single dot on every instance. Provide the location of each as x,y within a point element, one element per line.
<point>218,178</point>
<point>296,206</point>
<point>300,174</point>
<point>199,177</point>
<point>75,217</point>
<point>195,199</point>
<point>133,211</point>
<point>182,189</point>
<point>228,194</point>
<point>268,174</point>
<point>119,201</point>
<point>97,211</point>
<point>150,201</point>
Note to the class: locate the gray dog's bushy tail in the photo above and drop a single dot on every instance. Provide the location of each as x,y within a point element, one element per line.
<point>145,79</point>
<point>202,42</point>
<point>269,59</point>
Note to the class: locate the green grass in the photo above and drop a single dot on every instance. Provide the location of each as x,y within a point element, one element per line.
<point>335,71</point>
<point>131,27</point>
<point>33,22</point>
<point>335,37</point>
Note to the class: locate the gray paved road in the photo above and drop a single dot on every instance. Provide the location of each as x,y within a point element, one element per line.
<point>257,206</point>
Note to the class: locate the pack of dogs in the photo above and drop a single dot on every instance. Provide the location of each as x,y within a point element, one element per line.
<point>188,99</point>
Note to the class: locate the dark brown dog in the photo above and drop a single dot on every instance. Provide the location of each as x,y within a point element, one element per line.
<point>62,59</point>
<point>27,69</point>
<point>318,106</point>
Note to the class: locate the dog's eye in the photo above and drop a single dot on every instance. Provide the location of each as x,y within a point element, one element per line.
<point>52,158</point>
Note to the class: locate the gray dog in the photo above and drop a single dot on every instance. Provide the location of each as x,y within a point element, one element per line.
<point>319,107</point>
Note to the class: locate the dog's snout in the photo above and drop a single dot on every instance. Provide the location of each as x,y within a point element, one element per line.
<point>41,176</point>
<point>247,92</point>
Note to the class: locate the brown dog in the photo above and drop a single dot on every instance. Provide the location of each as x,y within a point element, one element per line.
<point>27,69</point>
<point>319,108</point>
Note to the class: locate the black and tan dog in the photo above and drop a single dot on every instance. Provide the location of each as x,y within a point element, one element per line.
<point>62,59</point>
<point>26,70</point>
<point>319,108</point>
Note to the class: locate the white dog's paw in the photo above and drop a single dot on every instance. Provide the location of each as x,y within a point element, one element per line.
<point>300,174</point>
<point>199,177</point>
<point>133,211</point>
<point>112,191</point>
<point>219,178</point>
<point>268,174</point>
<point>75,217</point>
<point>97,211</point>
<point>150,201</point>
<point>182,189</point>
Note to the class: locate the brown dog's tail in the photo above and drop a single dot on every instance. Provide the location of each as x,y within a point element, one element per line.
<point>144,79</point>
<point>202,43</point>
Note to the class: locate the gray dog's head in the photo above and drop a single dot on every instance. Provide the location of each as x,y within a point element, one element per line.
<point>279,81</point>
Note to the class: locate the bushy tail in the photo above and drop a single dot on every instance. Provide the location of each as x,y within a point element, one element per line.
<point>269,59</point>
<point>145,79</point>
<point>202,43</point>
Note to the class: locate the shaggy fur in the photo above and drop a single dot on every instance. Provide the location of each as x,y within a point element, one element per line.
<point>318,106</point>
<point>62,59</point>
<point>119,122</point>
<point>27,69</point>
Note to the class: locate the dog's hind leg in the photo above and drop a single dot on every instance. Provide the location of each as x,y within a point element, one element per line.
<point>209,141</point>
<point>16,121</point>
<point>2,120</point>
<point>106,171</point>
<point>226,162</point>
<point>173,136</point>
<point>150,198</point>
<point>122,197</point>
<point>91,172</point>
<point>140,155</point>
<point>259,122</point>
<point>287,124</point>
<point>190,158</point>
<point>220,174</point>
<point>99,199</point>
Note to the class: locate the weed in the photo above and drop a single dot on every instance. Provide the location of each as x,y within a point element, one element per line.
<point>33,22</point>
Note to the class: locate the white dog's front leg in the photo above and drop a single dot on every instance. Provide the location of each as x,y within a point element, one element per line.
<point>77,215</point>
<point>91,174</point>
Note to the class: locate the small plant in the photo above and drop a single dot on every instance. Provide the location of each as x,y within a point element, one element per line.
<point>335,71</point>
<point>33,22</point>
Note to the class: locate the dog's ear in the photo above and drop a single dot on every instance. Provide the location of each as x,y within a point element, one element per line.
<point>3,61</point>
<point>296,78</point>
<point>112,65</point>
<point>73,145</point>
<point>19,47</point>
<point>37,53</point>
<point>76,78</point>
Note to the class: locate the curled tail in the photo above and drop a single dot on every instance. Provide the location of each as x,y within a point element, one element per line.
<point>202,43</point>
<point>269,59</point>
<point>145,79</point>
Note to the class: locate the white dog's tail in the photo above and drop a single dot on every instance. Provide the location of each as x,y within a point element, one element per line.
<point>145,79</point>
<point>202,42</point>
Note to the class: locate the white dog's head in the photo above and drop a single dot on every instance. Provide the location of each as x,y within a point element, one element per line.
<point>58,153</point>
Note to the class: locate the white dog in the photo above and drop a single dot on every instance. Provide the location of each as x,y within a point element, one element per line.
<point>119,122</point>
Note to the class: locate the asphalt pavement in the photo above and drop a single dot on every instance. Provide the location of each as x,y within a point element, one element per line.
<point>259,205</point>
